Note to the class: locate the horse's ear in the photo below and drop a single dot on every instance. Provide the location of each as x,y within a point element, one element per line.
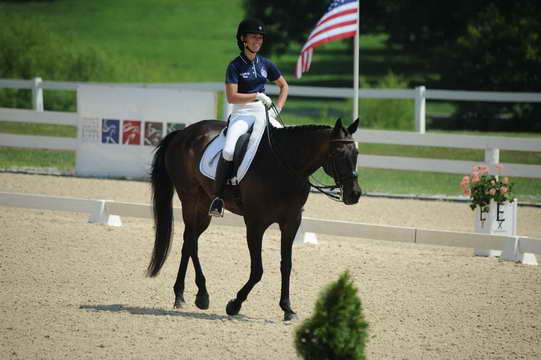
<point>338,126</point>
<point>353,127</point>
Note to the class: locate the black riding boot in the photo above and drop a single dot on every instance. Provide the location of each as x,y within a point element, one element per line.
<point>223,172</point>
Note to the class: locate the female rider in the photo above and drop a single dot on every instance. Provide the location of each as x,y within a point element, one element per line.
<point>245,80</point>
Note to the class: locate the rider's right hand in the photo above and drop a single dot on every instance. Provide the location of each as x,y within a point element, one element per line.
<point>264,99</point>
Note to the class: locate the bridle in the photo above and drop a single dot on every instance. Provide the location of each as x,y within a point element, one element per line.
<point>328,190</point>
<point>338,178</point>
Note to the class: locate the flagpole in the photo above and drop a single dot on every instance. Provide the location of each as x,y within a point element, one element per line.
<point>356,70</point>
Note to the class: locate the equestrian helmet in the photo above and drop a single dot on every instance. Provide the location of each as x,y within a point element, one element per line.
<point>249,26</point>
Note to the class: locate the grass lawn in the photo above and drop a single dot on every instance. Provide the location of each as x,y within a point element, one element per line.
<point>155,41</point>
<point>192,41</point>
<point>35,159</point>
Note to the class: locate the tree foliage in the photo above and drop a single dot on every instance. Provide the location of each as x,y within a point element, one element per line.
<point>486,45</point>
<point>286,21</point>
<point>337,329</point>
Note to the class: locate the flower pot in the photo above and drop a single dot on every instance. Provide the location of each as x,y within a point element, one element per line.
<point>500,219</point>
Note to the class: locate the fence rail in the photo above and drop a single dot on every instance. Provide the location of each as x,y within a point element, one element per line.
<point>102,211</point>
<point>420,94</point>
<point>490,144</point>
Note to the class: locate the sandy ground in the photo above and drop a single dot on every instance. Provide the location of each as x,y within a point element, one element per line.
<point>74,290</point>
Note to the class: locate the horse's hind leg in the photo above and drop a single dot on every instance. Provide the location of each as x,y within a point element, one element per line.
<point>179,283</point>
<point>196,221</point>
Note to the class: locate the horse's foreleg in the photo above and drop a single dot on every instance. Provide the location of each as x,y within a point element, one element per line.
<point>288,230</point>
<point>254,238</point>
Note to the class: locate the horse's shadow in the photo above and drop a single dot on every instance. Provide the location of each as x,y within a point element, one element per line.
<point>135,310</point>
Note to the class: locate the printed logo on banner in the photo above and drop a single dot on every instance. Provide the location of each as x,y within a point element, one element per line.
<point>131,132</point>
<point>153,132</point>
<point>175,126</point>
<point>90,130</point>
<point>110,131</point>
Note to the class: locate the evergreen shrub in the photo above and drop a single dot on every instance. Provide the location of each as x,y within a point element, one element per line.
<point>337,329</point>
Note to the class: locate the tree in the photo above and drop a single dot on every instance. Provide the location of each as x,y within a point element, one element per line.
<point>337,330</point>
<point>500,50</point>
<point>286,21</point>
<point>492,45</point>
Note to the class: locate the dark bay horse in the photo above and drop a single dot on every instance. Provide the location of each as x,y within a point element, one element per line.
<point>274,190</point>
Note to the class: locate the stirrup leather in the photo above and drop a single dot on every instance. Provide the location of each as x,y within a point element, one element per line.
<point>217,208</point>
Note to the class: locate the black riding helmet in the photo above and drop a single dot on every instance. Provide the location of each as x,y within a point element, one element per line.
<point>249,26</point>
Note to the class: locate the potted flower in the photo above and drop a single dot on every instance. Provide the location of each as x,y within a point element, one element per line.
<point>483,187</point>
<point>491,199</point>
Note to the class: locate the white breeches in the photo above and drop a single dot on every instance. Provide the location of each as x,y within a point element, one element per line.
<point>242,118</point>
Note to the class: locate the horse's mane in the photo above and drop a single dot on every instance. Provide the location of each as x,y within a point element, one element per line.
<point>301,128</point>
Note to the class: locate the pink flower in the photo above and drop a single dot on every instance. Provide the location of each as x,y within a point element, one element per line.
<point>465,182</point>
<point>503,190</point>
<point>505,180</point>
<point>476,168</point>
<point>483,169</point>
<point>500,167</point>
<point>475,178</point>
<point>467,192</point>
<point>492,191</point>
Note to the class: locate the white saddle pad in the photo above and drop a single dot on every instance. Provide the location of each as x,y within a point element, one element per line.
<point>212,154</point>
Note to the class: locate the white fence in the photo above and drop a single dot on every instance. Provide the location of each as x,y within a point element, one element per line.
<point>490,144</point>
<point>108,212</point>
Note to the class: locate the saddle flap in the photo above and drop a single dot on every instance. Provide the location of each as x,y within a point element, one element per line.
<point>240,149</point>
<point>245,151</point>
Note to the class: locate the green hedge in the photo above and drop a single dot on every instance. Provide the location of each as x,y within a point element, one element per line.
<point>29,49</point>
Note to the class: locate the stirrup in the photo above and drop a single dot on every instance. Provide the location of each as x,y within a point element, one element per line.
<point>217,208</point>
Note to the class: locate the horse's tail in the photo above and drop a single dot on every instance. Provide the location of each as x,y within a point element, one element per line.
<point>162,201</point>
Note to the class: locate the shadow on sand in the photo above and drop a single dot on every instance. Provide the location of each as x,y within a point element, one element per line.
<point>161,312</point>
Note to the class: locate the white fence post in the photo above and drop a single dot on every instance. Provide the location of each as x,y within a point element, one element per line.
<point>37,94</point>
<point>492,156</point>
<point>420,109</point>
<point>227,108</point>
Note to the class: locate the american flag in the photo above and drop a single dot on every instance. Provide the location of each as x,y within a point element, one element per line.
<point>339,22</point>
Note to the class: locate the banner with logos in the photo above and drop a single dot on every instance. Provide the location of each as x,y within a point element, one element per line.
<point>120,127</point>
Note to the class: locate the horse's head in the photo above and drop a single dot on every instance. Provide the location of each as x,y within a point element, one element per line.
<point>341,164</point>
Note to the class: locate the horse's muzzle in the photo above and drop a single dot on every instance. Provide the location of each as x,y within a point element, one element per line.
<point>352,196</point>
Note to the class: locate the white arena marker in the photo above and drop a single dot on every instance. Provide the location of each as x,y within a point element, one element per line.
<point>101,215</point>
<point>303,237</point>
<point>511,252</point>
<point>499,220</point>
<point>310,238</point>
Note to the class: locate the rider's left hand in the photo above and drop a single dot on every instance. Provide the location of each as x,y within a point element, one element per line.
<point>273,117</point>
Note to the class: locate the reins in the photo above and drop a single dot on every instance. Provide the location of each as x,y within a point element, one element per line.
<point>324,189</point>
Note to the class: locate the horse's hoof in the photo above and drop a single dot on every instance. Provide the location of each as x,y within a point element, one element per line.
<point>179,302</point>
<point>202,301</point>
<point>232,308</point>
<point>289,316</point>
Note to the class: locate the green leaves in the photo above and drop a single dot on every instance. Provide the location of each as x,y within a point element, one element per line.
<point>337,329</point>
<point>484,187</point>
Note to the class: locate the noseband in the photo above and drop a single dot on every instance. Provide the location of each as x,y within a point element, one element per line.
<point>339,179</point>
